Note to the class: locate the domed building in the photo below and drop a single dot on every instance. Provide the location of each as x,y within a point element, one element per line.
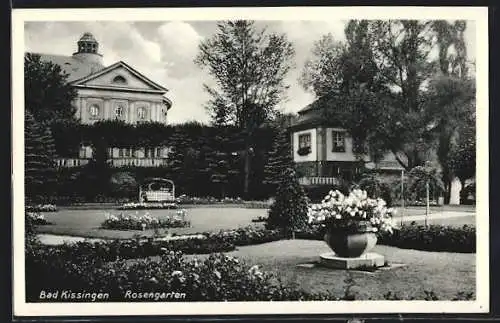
<point>112,92</point>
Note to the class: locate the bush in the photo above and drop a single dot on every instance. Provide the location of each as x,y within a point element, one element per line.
<point>375,187</point>
<point>41,208</point>
<point>144,222</point>
<point>36,218</point>
<point>123,184</point>
<point>148,206</point>
<point>289,210</point>
<point>432,238</point>
<point>418,237</point>
<point>216,278</point>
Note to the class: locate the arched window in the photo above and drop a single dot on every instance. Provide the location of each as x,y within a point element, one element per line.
<point>119,111</point>
<point>141,113</point>
<point>119,80</point>
<point>94,110</point>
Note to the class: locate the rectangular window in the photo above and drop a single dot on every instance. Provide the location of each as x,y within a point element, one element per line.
<point>120,152</point>
<point>305,140</point>
<point>338,141</point>
<point>127,152</point>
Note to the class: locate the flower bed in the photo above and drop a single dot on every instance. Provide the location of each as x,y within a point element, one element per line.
<point>37,218</point>
<point>41,208</point>
<point>144,222</point>
<point>216,278</point>
<point>148,206</point>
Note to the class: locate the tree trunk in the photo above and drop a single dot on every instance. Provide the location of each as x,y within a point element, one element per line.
<point>247,173</point>
<point>455,188</point>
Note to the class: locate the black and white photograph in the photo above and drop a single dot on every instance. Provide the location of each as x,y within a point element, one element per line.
<point>250,161</point>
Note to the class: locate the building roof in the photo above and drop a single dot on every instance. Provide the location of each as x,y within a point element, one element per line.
<point>324,111</point>
<point>74,67</point>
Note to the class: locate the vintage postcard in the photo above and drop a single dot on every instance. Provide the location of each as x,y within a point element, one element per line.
<point>307,160</point>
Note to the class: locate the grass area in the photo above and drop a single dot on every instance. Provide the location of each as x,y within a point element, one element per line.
<point>86,222</point>
<point>444,273</point>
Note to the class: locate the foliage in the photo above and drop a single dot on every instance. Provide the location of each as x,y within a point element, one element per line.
<point>41,208</point>
<point>144,222</point>
<point>379,75</point>
<point>467,192</point>
<point>48,96</point>
<point>36,218</point>
<point>39,154</point>
<point>289,210</point>
<point>249,67</point>
<point>375,187</point>
<point>279,159</point>
<point>420,176</point>
<point>419,237</point>
<point>462,159</point>
<point>123,184</point>
<point>148,206</point>
<point>352,213</point>
<point>432,238</point>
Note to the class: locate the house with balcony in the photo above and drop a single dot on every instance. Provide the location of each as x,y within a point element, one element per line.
<point>322,148</point>
<point>114,92</point>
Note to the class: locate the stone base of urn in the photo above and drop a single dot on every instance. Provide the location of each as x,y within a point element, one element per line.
<point>369,259</point>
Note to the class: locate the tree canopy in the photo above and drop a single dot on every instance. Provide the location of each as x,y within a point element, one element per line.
<point>249,67</point>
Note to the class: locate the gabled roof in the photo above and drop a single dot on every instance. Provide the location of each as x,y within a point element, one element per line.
<point>74,67</point>
<point>118,64</point>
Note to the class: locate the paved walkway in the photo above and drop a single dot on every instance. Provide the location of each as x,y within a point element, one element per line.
<point>431,216</point>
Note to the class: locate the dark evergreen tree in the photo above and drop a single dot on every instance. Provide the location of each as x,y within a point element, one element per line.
<point>178,156</point>
<point>48,95</point>
<point>289,210</point>
<point>219,163</point>
<point>279,159</point>
<point>39,152</point>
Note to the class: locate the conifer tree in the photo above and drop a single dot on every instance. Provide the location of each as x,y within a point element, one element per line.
<point>178,155</point>
<point>39,158</point>
<point>279,159</point>
<point>289,210</point>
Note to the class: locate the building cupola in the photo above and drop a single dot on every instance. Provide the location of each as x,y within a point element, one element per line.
<point>88,50</point>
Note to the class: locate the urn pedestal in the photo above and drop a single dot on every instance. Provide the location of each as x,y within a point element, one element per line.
<point>351,250</point>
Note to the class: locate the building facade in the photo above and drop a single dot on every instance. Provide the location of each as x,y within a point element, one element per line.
<point>323,150</point>
<point>115,92</point>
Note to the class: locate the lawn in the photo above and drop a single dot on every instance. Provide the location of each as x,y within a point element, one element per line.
<point>444,273</point>
<point>86,222</point>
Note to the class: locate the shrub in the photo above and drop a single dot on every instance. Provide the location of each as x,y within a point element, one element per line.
<point>375,187</point>
<point>432,238</point>
<point>418,237</point>
<point>216,278</point>
<point>41,208</point>
<point>123,184</point>
<point>289,210</point>
<point>144,222</point>
<point>260,219</point>
<point>148,206</point>
<point>36,218</point>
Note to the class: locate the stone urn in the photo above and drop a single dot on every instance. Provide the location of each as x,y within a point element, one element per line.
<point>351,242</point>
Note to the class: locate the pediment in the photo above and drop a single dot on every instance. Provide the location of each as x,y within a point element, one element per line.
<point>119,76</point>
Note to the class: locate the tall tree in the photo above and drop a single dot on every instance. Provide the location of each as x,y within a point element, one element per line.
<point>249,67</point>
<point>452,97</point>
<point>39,158</point>
<point>48,96</point>
<point>380,75</point>
<point>279,159</point>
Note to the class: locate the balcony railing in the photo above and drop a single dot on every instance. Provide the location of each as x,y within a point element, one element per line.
<point>115,162</point>
<point>319,181</point>
<point>138,162</point>
<point>71,162</point>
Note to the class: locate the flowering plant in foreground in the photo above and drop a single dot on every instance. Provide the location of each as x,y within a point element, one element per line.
<point>144,222</point>
<point>351,213</point>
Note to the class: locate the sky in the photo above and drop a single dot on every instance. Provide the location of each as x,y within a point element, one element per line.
<point>164,52</point>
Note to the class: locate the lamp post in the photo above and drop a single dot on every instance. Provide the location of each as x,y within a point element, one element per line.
<point>427,200</point>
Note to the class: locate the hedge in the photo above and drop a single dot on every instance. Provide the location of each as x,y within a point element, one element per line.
<point>418,237</point>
